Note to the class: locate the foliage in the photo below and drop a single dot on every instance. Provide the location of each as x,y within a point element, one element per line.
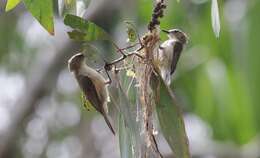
<point>170,119</point>
<point>131,31</point>
<point>11,4</point>
<point>41,10</point>
<point>84,30</point>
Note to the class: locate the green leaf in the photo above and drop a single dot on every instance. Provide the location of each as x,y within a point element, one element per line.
<point>85,103</point>
<point>77,35</point>
<point>42,10</point>
<point>11,4</point>
<point>132,132</point>
<point>84,30</point>
<point>131,31</point>
<point>171,121</point>
<point>125,142</point>
<point>128,128</point>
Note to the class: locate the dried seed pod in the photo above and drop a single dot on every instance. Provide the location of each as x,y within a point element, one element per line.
<point>157,13</point>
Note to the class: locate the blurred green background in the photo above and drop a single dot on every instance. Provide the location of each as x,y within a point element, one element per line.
<point>217,80</point>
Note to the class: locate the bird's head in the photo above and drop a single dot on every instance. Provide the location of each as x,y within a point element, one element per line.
<point>177,34</point>
<point>75,62</point>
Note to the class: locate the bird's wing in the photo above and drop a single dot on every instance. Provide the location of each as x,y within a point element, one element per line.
<point>90,92</point>
<point>177,49</point>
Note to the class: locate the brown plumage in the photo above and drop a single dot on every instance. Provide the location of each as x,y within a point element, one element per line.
<point>169,53</point>
<point>92,84</point>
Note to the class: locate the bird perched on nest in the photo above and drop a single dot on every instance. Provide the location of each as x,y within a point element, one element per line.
<point>92,83</point>
<point>169,53</point>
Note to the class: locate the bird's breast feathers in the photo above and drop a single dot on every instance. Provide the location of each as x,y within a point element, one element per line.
<point>98,80</point>
<point>93,74</point>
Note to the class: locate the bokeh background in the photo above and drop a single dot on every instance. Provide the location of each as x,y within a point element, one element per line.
<point>217,81</point>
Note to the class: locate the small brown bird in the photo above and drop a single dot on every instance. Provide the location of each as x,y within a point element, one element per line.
<point>92,83</point>
<point>169,53</point>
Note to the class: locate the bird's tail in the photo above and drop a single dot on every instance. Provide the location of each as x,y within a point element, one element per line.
<point>109,124</point>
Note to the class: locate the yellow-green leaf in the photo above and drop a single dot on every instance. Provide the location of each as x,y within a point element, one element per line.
<point>130,73</point>
<point>125,139</point>
<point>84,30</point>
<point>86,104</point>
<point>42,10</point>
<point>131,31</point>
<point>11,4</point>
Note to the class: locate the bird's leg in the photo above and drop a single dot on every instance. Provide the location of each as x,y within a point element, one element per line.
<point>109,78</point>
<point>108,68</point>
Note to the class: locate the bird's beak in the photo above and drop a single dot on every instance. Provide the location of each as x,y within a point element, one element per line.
<point>165,31</point>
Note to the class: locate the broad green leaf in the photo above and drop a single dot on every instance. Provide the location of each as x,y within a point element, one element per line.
<point>11,4</point>
<point>77,35</point>
<point>94,55</point>
<point>132,133</point>
<point>42,10</point>
<point>215,21</point>
<point>129,136</point>
<point>171,121</point>
<point>125,109</point>
<point>125,142</point>
<point>84,30</point>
